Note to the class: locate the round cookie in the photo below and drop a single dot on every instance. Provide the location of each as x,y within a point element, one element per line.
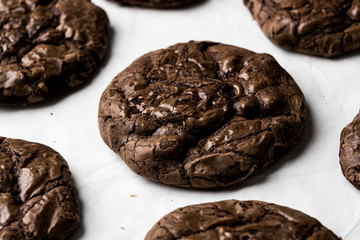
<point>156,3</point>
<point>319,27</point>
<point>38,199</point>
<point>232,219</point>
<point>48,47</point>
<point>201,114</point>
<point>350,151</point>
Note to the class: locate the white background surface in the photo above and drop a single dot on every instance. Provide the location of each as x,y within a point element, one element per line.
<point>308,179</point>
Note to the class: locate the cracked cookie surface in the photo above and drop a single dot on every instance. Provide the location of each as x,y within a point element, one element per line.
<point>350,151</point>
<point>48,47</point>
<point>232,219</point>
<point>156,3</point>
<point>201,114</point>
<point>38,199</point>
<point>319,27</point>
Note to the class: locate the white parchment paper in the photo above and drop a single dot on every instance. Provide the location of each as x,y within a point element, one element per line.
<point>117,204</point>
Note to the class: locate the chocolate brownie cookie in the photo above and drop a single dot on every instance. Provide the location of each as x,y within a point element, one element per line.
<point>38,199</point>
<point>233,219</point>
<point>156,3</point>
<point>201,114</point>
<point>350,151</point>
<point>319,27</point>
<point>48,47</point>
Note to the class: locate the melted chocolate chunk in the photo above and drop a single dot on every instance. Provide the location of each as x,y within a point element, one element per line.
<point>350,151</point>
<point>201,114</point>
<point>38,199</point>
<point>319,27</point>
<point>48,47</point>
<point>231,219</point>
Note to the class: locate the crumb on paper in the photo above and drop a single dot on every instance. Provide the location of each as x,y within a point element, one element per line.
<point>51,114</point>
<point>172,200</point>
<point>122,228</point>
<point>133,195</point>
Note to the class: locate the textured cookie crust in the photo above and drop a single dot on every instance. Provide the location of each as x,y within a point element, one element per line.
<point>350,151</point>
<point>201,114</point>
<point>38,199</point>
<point>48,47</point>
<point>319,27</point>
<point>231,219</point>
<point>156,3</point>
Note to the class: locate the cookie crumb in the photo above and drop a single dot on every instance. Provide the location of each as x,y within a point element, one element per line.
<point>122,228</point>
<point>172,200</point>
<point>133,195</point>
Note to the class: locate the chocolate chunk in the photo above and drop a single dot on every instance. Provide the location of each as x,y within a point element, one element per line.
<point>201,114</point>
<point>156,3</point>
<point>319,27</point>
<point>232,219</point>
<point>48,47</point>
<point>38,199</point>
<point>350,151</point>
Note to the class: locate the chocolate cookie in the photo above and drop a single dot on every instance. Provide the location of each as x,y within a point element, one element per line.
<point>350,151</point>
<point>319,27</point>
<point>38,199</point>
<point>201,114</point>
<point>156,3</point>
<point>48,47</point>
<point>233,219</point>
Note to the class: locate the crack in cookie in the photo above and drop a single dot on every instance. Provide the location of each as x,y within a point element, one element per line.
<point>201,114</point>
<point>38,199</point>
<point>232,219</point>
<point>319,27</point>
<point>350,152</point>
<point>48,48</point>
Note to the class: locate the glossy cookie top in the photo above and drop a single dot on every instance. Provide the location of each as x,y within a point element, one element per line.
<point>350,151</point>
<point>318,27</point>
<point>201,114</point>
<point>38,199</point>
<point>48,47</point>
<point>233,219</point>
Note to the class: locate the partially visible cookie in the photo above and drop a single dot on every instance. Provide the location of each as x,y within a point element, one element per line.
<point>48,47</point>
<point>201,114</point>
<point>232,219</point>
<point>38,199</point>
<point>350,151</point>
<point>156,3</point>
<point>319,27</point>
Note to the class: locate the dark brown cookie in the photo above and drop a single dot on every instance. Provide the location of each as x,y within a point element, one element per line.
<point>233,219</point>
<point>48,47</point>
<point>156,3</point>
<point>318,27</point>
<point>38,199</point>
<point>350,151</point>
<point>201,114</point>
